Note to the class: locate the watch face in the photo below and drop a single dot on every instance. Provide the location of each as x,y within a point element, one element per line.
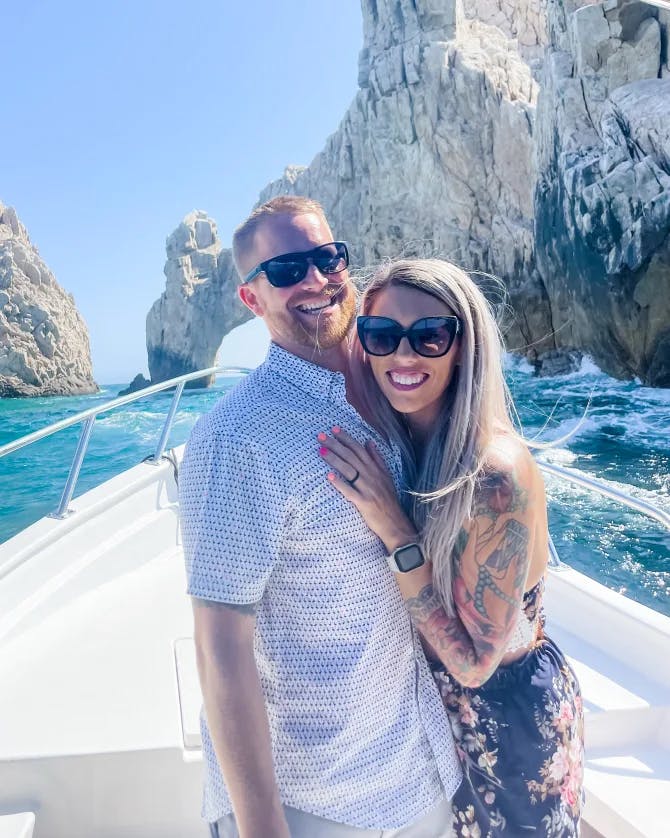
<point>409,558</point>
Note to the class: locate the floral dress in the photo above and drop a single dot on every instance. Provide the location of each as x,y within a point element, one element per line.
<point>520,738</point>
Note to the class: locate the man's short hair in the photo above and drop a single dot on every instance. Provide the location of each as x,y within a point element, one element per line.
<point>243,236</point>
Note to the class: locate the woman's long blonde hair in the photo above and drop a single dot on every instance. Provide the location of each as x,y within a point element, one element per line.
<point>441,485</point>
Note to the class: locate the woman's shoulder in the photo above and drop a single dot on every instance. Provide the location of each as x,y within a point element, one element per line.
<point>509,469</point>
<point>507,452</point>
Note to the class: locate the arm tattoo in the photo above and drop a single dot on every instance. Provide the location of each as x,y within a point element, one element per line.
<point>514,540</point>
<point>512,551</point>
<point>243,608</point>
<point>447,635</point>
<point>497,493</point>
<point>470,642</point>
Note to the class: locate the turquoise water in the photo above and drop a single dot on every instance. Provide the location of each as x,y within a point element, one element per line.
<point>623,439</point>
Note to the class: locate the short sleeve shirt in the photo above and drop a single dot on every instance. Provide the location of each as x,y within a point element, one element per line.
<point>359,734</point>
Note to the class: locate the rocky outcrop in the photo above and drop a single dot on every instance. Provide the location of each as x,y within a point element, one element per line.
<point>603,193</point>
<point>523,20</point>
<point>528,140</point>
<point>138,383</point>
<point>199,306</point>
<point>44,346</point>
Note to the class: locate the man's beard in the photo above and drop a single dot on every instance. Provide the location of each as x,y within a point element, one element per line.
<point>326,332</point>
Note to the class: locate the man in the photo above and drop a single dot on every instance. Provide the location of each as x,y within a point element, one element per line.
<point>320,715</point>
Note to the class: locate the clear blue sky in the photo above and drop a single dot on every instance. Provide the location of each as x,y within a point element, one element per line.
<point>119,118</point>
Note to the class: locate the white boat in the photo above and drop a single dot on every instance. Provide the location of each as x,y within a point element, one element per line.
<point>99,698</point>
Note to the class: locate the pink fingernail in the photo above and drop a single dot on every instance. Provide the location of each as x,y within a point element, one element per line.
<point>322,437</point>
<point>331,476</point>
<point>323,451</point>
<point>336,429</point>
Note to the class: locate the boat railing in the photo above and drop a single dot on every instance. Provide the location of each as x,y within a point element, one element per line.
<point>607,491</point>
<point>88,417</point>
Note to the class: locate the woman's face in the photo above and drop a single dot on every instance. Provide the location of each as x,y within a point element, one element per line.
<point>414,385</point>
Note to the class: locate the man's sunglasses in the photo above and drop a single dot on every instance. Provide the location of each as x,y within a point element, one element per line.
<point>291,268</point>
<point>431,337</point>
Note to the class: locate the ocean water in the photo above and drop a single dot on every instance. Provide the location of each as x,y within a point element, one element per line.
<point>619,432</point>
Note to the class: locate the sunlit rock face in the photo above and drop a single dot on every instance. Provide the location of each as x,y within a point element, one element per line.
<point>44,345</point>
<point>199,306</point>
<point>423,162</point>
<point>527,140</point>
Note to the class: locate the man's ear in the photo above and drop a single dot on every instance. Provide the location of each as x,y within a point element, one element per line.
<point>250,300</point>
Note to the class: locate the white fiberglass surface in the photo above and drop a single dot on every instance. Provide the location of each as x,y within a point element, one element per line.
<point>96,623</point>
<point>98,675</point>
<point>619,651</point>
<point>86,655</point>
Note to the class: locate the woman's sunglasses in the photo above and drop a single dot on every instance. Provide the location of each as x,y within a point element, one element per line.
<point>291,268</point>
<point>430,337</point>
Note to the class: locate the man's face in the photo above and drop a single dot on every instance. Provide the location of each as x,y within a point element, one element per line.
<point>317,312</point>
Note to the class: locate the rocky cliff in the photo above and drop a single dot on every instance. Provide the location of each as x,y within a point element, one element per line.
<point>199,306</point>
<point>44,346</point>
<point>602,197</point>
<point>525,139</point>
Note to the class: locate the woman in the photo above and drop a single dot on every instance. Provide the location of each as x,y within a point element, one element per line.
<point>468,544</point>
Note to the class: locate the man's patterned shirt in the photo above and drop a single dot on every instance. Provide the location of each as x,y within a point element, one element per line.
<point>359,734</point>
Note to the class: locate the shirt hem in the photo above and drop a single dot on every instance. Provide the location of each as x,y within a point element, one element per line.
<point>329,816</point>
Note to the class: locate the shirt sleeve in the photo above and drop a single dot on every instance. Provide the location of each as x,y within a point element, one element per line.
<point>232,515</point>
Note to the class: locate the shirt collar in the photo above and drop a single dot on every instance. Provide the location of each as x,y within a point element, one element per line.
<point>318,382</point>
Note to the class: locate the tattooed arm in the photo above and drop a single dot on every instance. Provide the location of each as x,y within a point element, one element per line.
<point>491,562</point>
<point>491,556</point>
<point>236,715</point>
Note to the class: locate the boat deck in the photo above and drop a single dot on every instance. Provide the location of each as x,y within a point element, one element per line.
<point>100,697</point>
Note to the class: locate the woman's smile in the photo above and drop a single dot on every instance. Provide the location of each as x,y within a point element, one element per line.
<point>405,380</point>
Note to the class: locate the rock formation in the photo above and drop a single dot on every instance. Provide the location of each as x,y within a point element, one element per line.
<point>602,201</point>
<point>138,383</point>
<point>44,346</point>
<point>529,140</point>
<point>199,306</point>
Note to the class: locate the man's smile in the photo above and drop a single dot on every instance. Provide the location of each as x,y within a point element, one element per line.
<point>322,303</point>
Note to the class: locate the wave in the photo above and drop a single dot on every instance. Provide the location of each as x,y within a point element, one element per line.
<point>648,427</point>
<point>587,369</point>
<point>564,489</point>
<point>144,426</point>
<point>517,363</point>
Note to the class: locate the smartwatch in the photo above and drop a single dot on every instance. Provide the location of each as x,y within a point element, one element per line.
<point>406,558</point>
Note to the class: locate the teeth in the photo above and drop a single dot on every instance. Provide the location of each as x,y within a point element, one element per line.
<point>314,307</point>
<point>407,379</point>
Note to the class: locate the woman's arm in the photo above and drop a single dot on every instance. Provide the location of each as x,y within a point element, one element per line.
<point>490,561</point>
<point>490,566</point>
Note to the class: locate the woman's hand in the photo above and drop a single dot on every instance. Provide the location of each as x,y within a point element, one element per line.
<point>365,481</point>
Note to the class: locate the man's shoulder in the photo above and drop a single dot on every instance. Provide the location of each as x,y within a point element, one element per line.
<point>249,411</point>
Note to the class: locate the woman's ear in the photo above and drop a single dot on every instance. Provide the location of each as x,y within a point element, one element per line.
<point>250,300</point>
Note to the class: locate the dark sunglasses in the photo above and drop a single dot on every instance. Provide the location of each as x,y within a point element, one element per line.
<point>431,337</point>
<point>291,268</point>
